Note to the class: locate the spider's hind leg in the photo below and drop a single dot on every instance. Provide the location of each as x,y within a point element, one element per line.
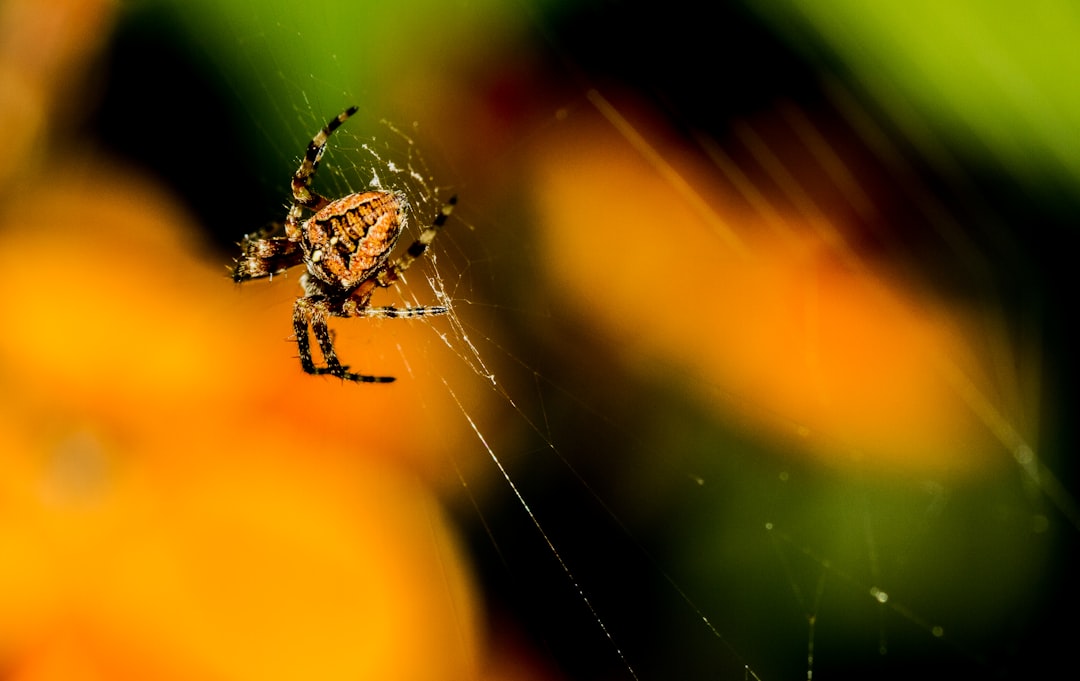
<point>301,182</point>
<point>391,274</point>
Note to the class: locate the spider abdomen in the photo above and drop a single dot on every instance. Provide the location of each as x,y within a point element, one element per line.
<point>347,240</point>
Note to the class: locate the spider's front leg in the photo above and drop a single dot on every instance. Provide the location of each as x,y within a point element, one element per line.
<point>356,305</point>
<point>312,311</point>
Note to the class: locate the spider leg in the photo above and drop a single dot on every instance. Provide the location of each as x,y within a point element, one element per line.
<point>393,272</point>
<point>301,182</point>
<point>263,232</point>
<point>356,305</point>
<point>304,310</point>
<point>312,311</point>
<point>303,196</point>
<point>265,257</point>
<point>391,312</point>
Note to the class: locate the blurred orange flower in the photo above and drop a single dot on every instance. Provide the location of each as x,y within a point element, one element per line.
<point>772,318</point>
<point>177,499</point>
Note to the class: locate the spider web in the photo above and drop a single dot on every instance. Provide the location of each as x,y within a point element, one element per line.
<point>632,516</point>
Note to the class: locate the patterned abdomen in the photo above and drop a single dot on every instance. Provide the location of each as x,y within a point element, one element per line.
<point>351,237</point>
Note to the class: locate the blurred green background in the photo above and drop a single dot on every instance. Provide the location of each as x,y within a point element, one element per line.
<point>658,505</point>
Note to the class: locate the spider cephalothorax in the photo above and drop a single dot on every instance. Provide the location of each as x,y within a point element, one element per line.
<point>346,247</point>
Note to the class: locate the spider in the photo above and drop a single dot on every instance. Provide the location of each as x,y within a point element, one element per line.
<point>346,246</point>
